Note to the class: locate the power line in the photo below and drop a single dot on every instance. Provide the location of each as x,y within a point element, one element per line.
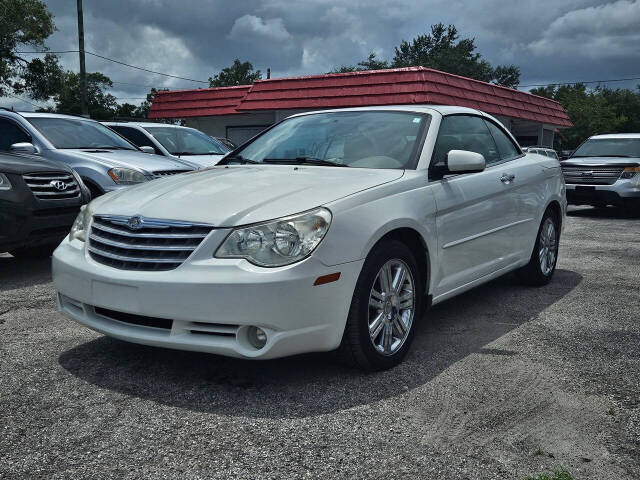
<point>24,100</point>
<point>145,69</point>
<point>122,63</point>
<point>573,83</point>
<point>206,82</point>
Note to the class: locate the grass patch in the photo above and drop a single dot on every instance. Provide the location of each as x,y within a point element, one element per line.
<point>558,474</point>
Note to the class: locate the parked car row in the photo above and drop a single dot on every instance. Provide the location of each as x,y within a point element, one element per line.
<point>58,162</point>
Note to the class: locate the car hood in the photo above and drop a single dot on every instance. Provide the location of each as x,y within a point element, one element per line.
<point>128,158</point>
<point>240,195</point>
<point>19,163</point>
<point>201,161</point>
<point>601,161</point>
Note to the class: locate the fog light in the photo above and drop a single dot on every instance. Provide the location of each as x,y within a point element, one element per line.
<point>257,337</point>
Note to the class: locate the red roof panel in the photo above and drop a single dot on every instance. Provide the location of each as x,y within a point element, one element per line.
<point>413,85</point>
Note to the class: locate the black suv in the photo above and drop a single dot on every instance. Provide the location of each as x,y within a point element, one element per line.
<point>39,201</point>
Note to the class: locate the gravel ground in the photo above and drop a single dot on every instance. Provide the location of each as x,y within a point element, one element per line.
<point>502,382</point>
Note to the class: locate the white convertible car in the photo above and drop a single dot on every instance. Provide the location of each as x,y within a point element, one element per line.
<point>330,230</point>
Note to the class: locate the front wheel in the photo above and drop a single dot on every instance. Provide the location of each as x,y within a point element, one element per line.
<point>543,260</point>
<point>386,304</point>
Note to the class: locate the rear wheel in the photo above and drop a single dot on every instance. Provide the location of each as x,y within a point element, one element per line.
<point>386,303</point>
<point>543,260</point>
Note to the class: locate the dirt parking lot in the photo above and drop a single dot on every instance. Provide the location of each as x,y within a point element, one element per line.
<point>502,382</point>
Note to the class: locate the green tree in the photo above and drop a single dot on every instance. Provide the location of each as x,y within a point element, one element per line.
<point>102,105</point>
<point>142,111</point>
<point>506,75</point>
<point>27,23</point>
<point>443,49</point>
<point>371,63</point>
<point>626,104</point>
<point>126,110</point>
<point>590,111</point>
<point>240,73</point>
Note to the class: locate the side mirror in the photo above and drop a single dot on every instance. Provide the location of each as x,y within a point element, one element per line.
<point>462,161</point>
<point>147,149</point>
<point>23,147</point>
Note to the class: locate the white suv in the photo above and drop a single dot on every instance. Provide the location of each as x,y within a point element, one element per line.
<point>329,230</point>
<point>605,170</point>
<point>173,141</point>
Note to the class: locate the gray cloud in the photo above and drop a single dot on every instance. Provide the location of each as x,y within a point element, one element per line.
<point>550,40</point>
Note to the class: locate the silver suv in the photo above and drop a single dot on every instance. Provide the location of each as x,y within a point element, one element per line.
<point>605,170</point>
<point>173,141</point>
<point>104,160</point>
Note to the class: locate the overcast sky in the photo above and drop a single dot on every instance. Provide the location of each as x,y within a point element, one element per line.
<point>551,40</point>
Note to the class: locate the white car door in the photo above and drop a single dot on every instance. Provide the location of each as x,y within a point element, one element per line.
<point>530,173</point>
<point>476,211</point>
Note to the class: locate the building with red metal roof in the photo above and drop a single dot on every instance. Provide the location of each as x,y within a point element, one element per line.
<point>240,112</point>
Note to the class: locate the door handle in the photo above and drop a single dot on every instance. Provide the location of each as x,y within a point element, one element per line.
<point>507,177</point>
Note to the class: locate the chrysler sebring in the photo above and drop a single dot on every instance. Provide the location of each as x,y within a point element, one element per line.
<point>329,231</point>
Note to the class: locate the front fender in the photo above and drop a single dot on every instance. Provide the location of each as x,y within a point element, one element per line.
<point>361,220</point>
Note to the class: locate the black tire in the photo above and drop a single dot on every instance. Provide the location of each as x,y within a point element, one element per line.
<point>42,251</point>
<point>94,190</point>
<point>532,274</point>
<point>357,348</point>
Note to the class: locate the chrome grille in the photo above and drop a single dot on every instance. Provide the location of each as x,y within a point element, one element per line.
<point>591,175</point>
<point>138,243</point>
<point>52,185</point>
<point>166,173</point>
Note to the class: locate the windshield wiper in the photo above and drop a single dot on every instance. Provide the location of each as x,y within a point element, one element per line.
<point>107,147</point>
<point>596,156</point>
<point>303,161</point>
<point>236,158</point>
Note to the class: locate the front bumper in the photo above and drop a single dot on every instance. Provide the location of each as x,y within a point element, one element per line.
<point>620,193</point>
<point>28,222</point>
<point>207,304</point>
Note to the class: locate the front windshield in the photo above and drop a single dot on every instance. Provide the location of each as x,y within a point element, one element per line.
<point>365,139</point>
<point>186,141</point>
<point>609,147</point>
<point>79,133</point>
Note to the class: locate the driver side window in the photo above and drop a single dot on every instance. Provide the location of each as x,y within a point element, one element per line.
<point>10,133</point>
<point>464,132</point>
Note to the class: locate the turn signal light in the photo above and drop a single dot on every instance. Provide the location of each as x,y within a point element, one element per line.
<point>332,277</point>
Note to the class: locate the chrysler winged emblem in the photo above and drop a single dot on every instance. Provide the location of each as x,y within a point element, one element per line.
<point>135,223</point>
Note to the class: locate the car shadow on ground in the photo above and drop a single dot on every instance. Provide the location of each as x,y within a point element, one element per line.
<point>23,272</point>
<point>314,384</point>
<point>604,212</point>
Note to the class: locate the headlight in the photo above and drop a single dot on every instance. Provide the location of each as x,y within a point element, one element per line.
<point>278,242</point>
<point>5,184</point>
<point>79,227</point>
<point>630,172</point>
<point>126,176</point>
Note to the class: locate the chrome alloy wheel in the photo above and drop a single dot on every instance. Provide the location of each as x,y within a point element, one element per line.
<point>548,245</point>
<point>391,307</point>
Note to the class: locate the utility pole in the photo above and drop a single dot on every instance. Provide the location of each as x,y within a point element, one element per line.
<point>83,69</point>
